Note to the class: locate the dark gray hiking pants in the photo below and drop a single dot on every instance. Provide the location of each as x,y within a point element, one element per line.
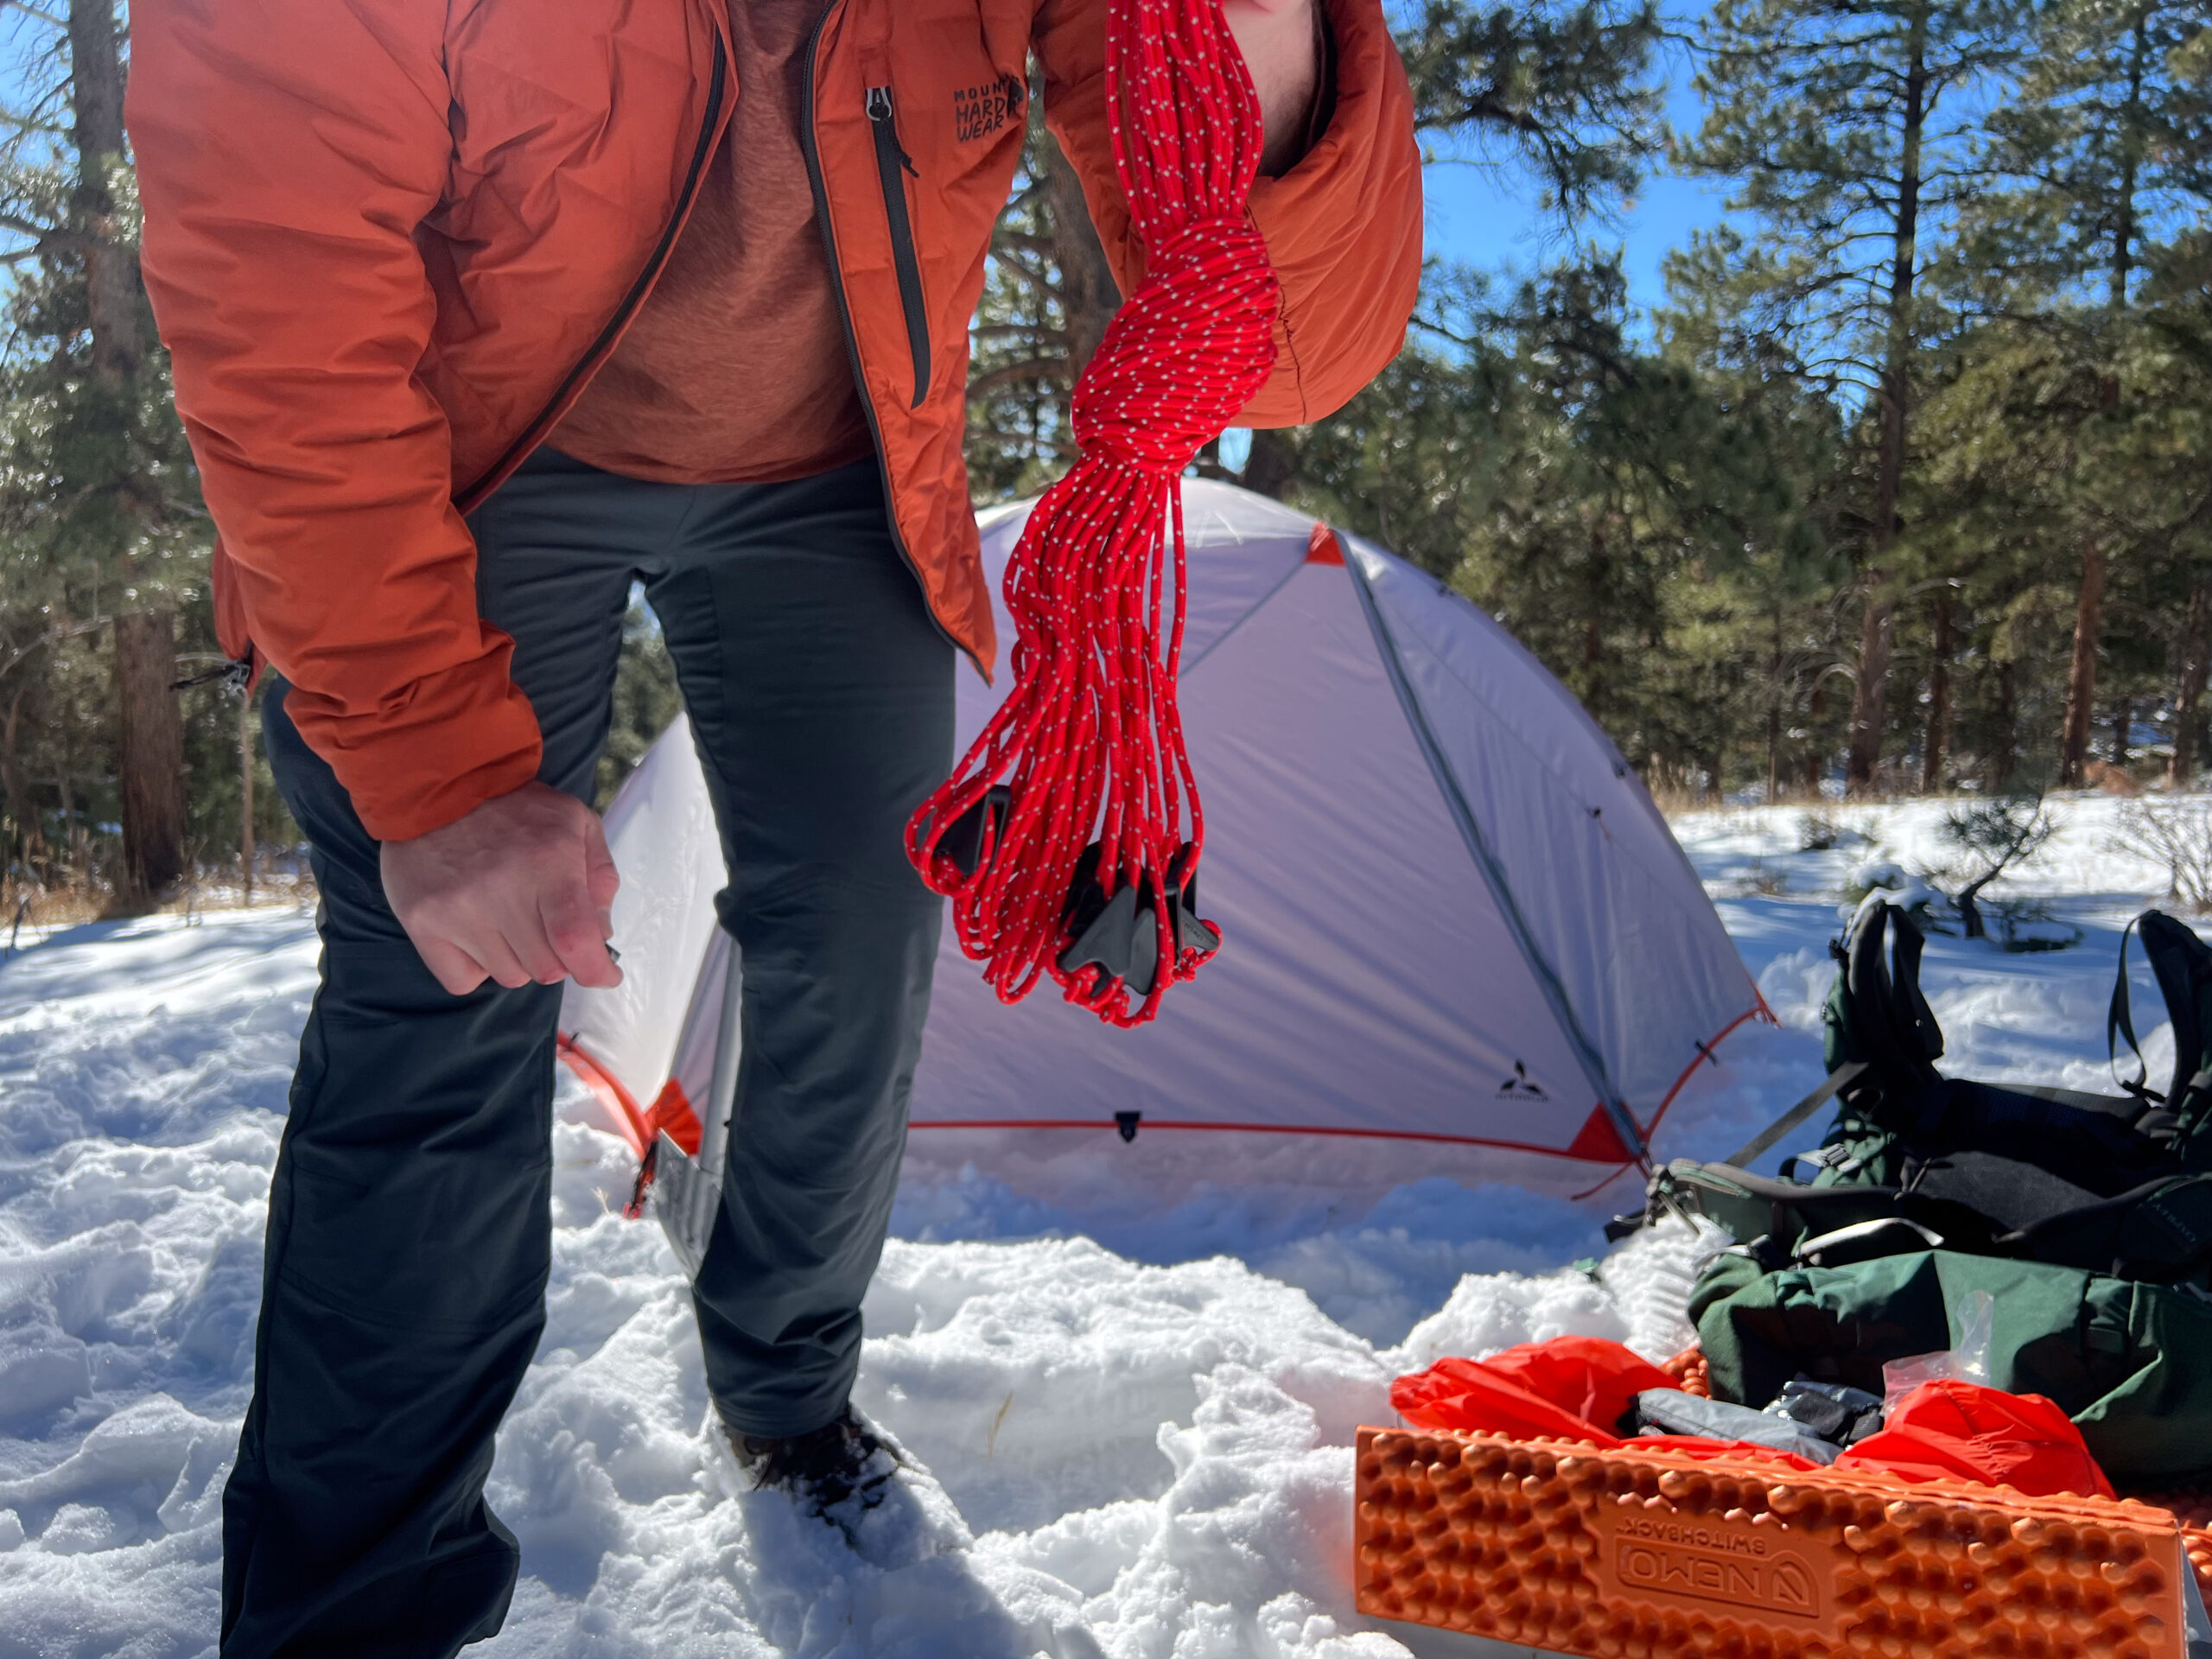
<point>408,1236</point>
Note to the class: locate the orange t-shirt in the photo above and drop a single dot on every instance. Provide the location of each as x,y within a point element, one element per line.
<point>734,370</point>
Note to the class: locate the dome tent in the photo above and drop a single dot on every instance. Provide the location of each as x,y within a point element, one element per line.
<point>1457,934</point>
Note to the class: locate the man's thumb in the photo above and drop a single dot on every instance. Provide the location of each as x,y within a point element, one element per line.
<point>600,876</point>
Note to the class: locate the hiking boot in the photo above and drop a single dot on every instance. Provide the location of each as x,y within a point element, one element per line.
<point>844,1466</point>
<point>854,1477</point>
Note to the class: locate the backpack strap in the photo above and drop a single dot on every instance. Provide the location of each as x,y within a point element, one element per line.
<point>1912,1022</point>
<point>1886,1020</point>
<point>2168,1232</point>
<point>1764,1140</point>
<point>2119,1022</point>
<point>2105,1143</point>
<point>2184,966</point>
<point>2159,1230</point>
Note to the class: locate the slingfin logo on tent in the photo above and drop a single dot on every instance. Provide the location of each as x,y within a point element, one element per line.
<point>1517,1087</point>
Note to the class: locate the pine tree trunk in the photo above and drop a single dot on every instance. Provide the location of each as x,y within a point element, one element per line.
<point>1088,296</point>
<point>1272,468</point>
<point>72,831</point>
<point>2082,676</point>
<point>151,763</point>
<point>2008,733</point>
<point>20,806</point>
<point>2123,721</point>
<point>2194,668</point>
<point>1813,756</point>
<point>2088,603</point>
<point>112,301</point>
<point>1594,629</point>
<point>152,787</point>
<point>245,795</point>
<point>1774,738</point>
<point>1939,700</point>
<point>1870,694</point>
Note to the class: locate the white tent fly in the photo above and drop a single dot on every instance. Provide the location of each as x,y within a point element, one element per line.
<point>1459,937</point>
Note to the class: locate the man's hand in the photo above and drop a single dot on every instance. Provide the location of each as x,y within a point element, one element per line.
<point>516,891</point>
<point>1278,40</point>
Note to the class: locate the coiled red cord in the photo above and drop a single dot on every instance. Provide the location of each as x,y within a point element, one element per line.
<point>1089,741</point>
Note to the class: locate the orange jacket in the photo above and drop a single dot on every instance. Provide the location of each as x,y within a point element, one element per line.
<point>389,243</point>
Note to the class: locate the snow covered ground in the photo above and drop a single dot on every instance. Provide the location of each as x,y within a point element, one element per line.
<point>1137,1435</point>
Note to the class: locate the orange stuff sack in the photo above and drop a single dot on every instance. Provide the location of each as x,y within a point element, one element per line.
<point>1570,1388</point>
<point>1964,1431</point>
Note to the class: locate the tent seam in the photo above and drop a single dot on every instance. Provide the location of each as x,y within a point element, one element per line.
<point>1534,756</point>
<point>1256,606</point>
<point>1456,803</point>
<point>1109,1125</point>
<point>1569,702</point>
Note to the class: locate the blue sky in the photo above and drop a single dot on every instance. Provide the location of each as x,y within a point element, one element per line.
<point>1487,216</point>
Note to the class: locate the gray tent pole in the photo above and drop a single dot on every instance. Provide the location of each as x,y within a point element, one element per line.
<point>1462,814</point>
<point>686,1190</point>
<point>722,1099</point>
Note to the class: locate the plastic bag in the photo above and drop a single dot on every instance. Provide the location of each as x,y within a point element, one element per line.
<point>1965,1361</point>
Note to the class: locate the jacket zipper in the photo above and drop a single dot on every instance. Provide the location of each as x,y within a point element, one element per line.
<point>533,433</point>
<point>890,162</point>
<point>813,153</point>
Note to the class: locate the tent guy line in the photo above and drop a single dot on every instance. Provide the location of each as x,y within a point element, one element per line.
<point>1708,1054</point>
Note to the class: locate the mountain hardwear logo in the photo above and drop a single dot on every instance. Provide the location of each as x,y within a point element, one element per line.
<point>979,112</point>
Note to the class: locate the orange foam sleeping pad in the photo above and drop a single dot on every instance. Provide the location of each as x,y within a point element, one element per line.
<point>1634,1554</point>
<point>2191,1505</point>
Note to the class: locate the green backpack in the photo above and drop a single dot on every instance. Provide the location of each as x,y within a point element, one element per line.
<point>2088,1218</point>
<point>2131,1362</point>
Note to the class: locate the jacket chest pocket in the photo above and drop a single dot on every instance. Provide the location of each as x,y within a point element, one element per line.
<point>945,128</point>
<point>894,169</point>
<point>959,69</point>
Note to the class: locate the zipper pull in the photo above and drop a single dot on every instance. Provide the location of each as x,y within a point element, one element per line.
<point>878,113</point>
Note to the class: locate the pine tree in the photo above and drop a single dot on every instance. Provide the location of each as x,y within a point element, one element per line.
<point>1567,91</point>
<point>2103,140</point>
<point>100,504</point>
<point>1651,528</point>
<point>1847,126</point>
